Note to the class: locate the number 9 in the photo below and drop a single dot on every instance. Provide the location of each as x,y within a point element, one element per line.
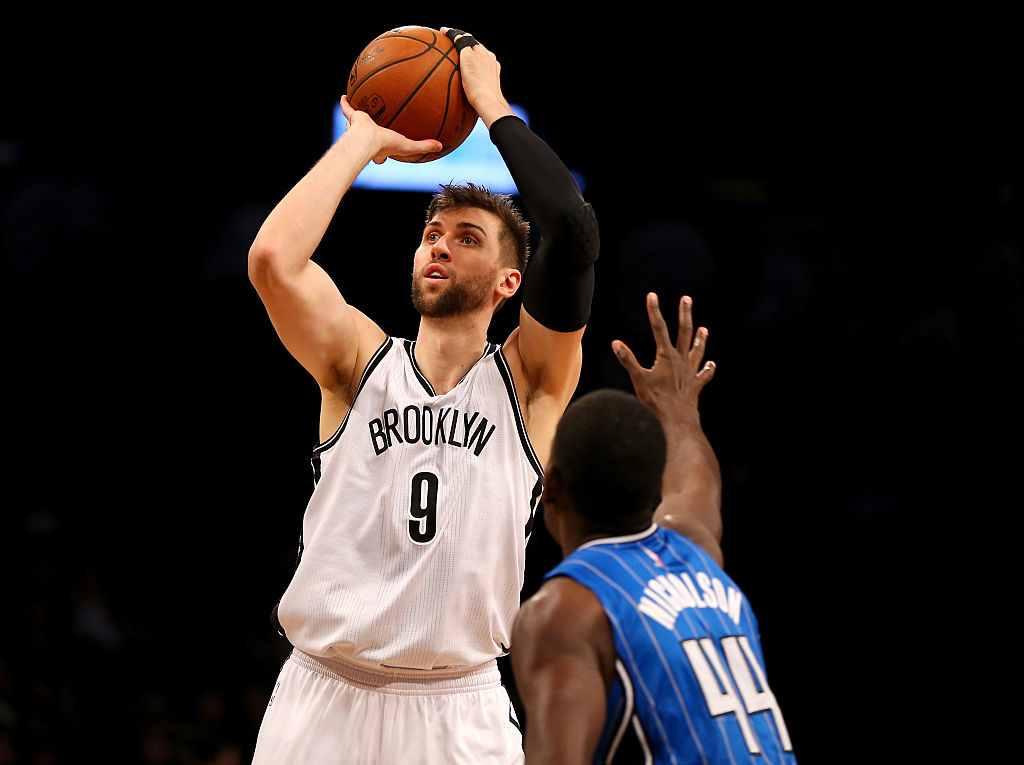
<point>423,508</point>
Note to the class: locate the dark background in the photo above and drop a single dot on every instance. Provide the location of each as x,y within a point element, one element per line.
<point>841,197</point>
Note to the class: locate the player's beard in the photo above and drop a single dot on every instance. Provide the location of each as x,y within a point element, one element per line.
<point>457,298</point>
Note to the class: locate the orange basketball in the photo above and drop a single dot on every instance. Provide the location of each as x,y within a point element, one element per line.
<point>408,80</point>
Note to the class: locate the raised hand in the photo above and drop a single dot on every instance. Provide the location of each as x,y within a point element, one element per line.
<point>481,76</point>
<point>673,384</point>
<point>386,142</point>
<point>692,483</point>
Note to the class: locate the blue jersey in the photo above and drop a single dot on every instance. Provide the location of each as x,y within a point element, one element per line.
<point>690,681</point>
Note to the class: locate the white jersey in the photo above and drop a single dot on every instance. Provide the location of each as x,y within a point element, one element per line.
<point>414,540</point>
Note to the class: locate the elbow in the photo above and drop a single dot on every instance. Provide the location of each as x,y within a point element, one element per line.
<point>576,232</point>
<point>261,264</point>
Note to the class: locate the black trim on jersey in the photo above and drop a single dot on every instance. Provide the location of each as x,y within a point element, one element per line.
<point>410,347</point>
<point>510,387</point>
<point>506,375</point>
<point>538,489</point>
<point>512,717</point>
<point>375,360</point>
<point>275,622</point>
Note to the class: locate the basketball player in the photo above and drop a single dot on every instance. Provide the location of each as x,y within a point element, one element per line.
<point>431,458</point>
<point>638,647</point>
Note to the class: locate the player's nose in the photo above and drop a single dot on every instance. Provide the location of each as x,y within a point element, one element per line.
<point>440,249</point>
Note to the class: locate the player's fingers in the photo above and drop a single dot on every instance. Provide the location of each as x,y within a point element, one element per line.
<point>685,335</point>
<point>462,39</point>
<point>626,358</point>
<point>700,341</point>
<point>426,146</point>
<point>706,373</point>
<point>661,339</point>
<point>409,148</point>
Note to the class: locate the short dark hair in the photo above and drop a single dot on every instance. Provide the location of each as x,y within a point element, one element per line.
<point>610,450</point>
<point>515,233</point>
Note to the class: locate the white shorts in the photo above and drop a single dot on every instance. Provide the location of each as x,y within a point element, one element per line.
<point>323,712</point>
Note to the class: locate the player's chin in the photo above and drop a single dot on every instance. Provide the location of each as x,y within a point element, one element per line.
<point>427,295</point>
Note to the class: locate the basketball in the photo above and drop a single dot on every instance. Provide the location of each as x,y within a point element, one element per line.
<point>408,80</point>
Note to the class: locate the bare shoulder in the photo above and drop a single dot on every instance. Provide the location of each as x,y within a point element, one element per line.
<point>563,624</point>
<point>561,612</point>
<point>550,360</point>
<point>369,338</point>
<point>545,383</point>
<point>338,389</point>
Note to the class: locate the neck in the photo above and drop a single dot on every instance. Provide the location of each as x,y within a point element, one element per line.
<point>565,525</point>
<point>447,348</point>
<point>580,532</point>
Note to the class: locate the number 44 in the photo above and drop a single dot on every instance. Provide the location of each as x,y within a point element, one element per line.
<point>735,689</point>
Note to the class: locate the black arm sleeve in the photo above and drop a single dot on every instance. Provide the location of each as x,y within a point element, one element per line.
<point>558,286</point>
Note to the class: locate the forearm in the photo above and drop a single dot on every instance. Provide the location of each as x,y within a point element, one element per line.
<point>559,285</point>
<point>692,470</point>
<point>545,184</point>
<point>689,450</point>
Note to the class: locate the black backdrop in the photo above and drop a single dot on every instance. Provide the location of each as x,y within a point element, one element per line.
<point>841,200</point>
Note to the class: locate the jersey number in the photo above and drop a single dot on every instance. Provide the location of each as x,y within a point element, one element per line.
<point>739,688</point>
<point>423,508</point>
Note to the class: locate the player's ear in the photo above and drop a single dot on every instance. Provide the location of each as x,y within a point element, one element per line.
<point>510,281</point>
<point>553,507</point>
<point>552,484</point>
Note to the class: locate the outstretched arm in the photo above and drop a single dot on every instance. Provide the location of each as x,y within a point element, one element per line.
<point>691,501</point>
<point>559,283</point>
<point>312,319</point>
